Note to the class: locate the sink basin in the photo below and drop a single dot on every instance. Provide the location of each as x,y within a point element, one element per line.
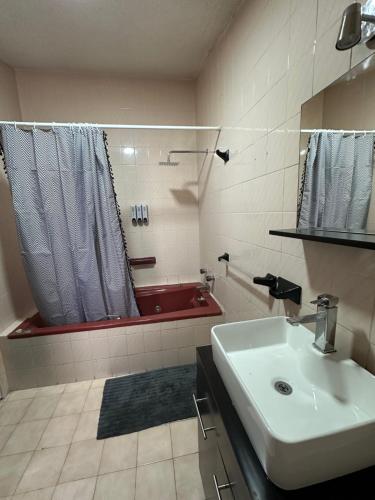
<point>310,416</point>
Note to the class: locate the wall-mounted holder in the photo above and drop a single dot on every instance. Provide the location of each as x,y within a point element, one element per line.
<point>280,288</point>
<point>142,261</point>
<point>140,214</point>
<point>225,257</point>
<point>224,155</point>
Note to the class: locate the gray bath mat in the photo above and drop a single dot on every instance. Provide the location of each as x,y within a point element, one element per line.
<point>144,400</point>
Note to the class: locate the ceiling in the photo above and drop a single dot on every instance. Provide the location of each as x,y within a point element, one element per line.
<point>143,38</point>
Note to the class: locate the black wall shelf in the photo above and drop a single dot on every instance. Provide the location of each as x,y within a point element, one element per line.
<point>334,237</point>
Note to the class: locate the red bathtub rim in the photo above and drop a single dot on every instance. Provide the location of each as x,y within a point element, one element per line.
<point>212,309</point>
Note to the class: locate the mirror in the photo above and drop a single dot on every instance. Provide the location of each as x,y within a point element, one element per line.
<point>336,181</point>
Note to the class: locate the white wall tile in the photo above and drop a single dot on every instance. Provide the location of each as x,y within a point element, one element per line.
<point>239,205</point>
<point>118,346</point>
<point>99,348</point>
<point>330,63</point>
<point>135,343</point>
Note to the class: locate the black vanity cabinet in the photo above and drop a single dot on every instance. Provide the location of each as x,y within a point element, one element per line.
<point>227,457</point>
<point>217,463</point>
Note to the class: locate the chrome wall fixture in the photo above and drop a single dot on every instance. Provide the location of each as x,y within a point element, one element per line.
<point>139,213</point>
<point>279,287</point>
<point>357,26</point>
<point>224,155</point>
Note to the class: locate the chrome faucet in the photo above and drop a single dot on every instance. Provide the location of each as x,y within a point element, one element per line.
<point>208,277</point>
<point>325,319</point>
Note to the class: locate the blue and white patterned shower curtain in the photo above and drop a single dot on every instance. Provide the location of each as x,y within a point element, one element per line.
<point>337,181</point>
<point>68,224</point>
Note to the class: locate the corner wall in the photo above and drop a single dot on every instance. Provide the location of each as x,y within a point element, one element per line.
<point>275,55</point>
<point>15,297</point>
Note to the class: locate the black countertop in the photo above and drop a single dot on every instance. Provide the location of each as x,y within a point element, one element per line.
<point>359,485</point>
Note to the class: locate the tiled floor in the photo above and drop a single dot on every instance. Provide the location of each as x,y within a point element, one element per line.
<point>49,451</point>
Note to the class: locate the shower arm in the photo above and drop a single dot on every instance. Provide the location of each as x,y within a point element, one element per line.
<point>224,155</point>
<point>189,151</point>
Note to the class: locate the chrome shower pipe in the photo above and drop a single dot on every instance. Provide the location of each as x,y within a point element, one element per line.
<point>224,155</point>
<point>188,151</point>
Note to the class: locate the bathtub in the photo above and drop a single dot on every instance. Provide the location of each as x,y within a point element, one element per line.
<point>37,355</point>
<point>156,304</point>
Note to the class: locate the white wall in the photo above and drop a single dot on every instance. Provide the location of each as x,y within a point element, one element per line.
<point>15,299</point>
<point>171,192</point>
<point>276,55</point>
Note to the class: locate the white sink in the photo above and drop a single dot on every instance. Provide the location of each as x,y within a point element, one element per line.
<point>324,429</point>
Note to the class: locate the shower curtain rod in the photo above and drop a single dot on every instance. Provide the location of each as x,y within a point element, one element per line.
<point>108,125</point>
<point>340,131</point>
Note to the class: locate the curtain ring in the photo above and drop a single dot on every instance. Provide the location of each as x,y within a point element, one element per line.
<point>15,125</point>
<point>34,126</point>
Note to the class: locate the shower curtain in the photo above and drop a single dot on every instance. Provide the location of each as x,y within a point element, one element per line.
<point>68,223</point>
<point>337,181</point>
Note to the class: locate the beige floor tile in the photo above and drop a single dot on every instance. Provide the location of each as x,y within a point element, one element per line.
<point>51,390</point>
<point>59,431</point>
<point>87,426</point>
<point>70,403</point>
<point>11,470</point>
<point>41,408</point>
<point>76,490</point>
<point>188,479</point>
<point>44,469</point>
<point>115,486</point>
<point>82,461</point>
<point>78,386</point>
<point>98,383</point>
<point>154,445</point>
<point>5,433</point>
<point>155,482</point>
<point>184,437</point>
<point>11,412</point>
<point>25,437</point>
<point>44,494</point>
<point>93,400</point>
<point>119,453</point>
<point>24,394</point>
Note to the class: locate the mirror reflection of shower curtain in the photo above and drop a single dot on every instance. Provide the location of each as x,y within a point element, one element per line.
<point>68,225</point>
<point>336,183</point>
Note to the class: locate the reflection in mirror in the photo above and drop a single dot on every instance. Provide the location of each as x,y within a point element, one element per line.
<point>337,155</point>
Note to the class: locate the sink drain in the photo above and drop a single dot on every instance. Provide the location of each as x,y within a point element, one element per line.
<point>283,387</point>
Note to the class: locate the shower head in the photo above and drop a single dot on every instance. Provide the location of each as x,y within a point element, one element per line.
<point>351,26</point>
<point>169,163</point>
